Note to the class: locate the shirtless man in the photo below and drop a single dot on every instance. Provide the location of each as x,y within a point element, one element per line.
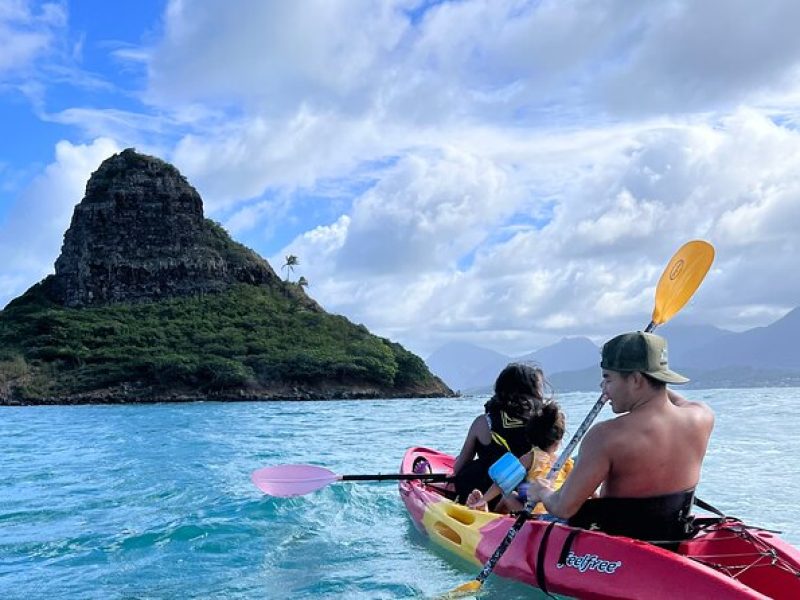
<point>647,461</point>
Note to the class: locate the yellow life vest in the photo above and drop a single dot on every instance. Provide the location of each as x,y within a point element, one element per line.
<point>540,467</point>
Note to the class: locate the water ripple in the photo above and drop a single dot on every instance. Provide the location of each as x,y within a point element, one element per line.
<point>155,502</point>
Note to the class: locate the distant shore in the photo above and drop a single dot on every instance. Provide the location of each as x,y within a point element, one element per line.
<point>143,395</point>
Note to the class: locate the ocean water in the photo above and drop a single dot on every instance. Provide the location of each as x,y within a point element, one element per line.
<point>155,501</point>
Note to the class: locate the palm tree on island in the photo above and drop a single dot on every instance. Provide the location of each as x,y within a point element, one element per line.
<point>291,262</point>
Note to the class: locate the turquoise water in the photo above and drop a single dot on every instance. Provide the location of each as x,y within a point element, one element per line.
<point>155,501</point>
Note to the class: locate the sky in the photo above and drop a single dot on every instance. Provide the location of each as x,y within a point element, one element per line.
<point>500,172</point>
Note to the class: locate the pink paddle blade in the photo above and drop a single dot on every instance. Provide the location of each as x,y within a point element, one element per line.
<point>292,480</point>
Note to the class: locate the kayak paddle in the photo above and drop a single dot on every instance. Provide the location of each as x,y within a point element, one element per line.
<point>296,480</point>
<point>681,278</point>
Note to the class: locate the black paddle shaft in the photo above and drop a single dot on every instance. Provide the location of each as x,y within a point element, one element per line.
<point>399,477</point>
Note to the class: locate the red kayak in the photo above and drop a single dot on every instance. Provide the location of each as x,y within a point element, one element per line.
<point>725,559</point>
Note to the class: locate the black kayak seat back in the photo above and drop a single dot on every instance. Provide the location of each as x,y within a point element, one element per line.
<point>655,518</point>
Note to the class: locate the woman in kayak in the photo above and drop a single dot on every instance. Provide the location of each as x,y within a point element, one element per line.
<point>545,430</point>
<point>518,393</point>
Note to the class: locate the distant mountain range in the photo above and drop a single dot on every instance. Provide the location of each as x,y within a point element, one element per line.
<point>712,357</point>
<point>471,368</point>
<point>466,365</point>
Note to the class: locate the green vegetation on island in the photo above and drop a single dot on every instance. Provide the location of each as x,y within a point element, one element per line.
<point>254,340</point>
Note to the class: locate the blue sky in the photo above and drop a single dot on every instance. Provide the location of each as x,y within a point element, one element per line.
<point>502,172</point>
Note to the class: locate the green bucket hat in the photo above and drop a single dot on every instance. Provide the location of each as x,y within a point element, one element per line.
<point>643,352</point>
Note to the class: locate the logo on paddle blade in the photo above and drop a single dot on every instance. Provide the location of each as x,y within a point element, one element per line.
<point>590,562</point>
<point>676,270</point>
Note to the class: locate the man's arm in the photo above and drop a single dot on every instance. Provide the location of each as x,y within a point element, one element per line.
<point>591,469</point>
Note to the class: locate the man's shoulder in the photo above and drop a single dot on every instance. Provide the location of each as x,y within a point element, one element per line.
<point>601,433</point>
<point>694,414</point>
<point>609,434</point>
<point>699,408</point>
<point>704,415</point>
<point>682,402</point>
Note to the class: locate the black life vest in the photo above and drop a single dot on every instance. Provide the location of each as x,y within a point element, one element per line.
<point>508,435</point>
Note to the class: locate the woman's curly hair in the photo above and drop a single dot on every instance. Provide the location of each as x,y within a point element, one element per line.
<point>519,391</point>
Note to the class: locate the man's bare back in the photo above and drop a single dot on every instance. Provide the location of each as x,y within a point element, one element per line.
<point>654,448</point>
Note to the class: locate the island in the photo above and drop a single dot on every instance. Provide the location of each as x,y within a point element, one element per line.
<point>151,301</point>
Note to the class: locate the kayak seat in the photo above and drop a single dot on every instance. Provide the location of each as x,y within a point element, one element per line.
<point>421,465</point>
<point>665,520</point>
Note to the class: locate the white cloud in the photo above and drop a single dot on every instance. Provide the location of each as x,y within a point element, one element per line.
<point>281,54</point>
<point>498,59</point>
<point>505,171</point>
<point>426,213</point>
<point>32,232</point>
<point>26,34</point>
<point>239,161</point>
<point>313,95</point>
<point>118,124</point>
<point>711,54</point>
<point>592,268</point>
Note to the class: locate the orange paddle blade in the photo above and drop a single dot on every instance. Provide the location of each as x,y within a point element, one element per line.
<point>683,275</point>
<point>465,590</point>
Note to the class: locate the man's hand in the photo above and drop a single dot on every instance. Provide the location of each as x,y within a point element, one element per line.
<point>539,488</point>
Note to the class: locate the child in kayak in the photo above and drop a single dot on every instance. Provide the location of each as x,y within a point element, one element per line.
<point>545,431</point>
<point>518,392</point>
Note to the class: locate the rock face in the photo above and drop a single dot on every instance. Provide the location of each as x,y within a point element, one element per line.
<point>139,234</point>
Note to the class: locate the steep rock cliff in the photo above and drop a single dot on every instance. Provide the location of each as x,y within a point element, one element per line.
<point>139,234</point>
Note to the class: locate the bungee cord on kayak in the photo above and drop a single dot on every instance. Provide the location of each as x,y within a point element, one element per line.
<point>763,555</point>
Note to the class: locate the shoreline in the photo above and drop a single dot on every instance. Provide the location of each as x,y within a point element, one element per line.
<point>143,395</point>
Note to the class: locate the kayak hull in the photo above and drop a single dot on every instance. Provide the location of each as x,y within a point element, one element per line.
<point>727,560</point>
